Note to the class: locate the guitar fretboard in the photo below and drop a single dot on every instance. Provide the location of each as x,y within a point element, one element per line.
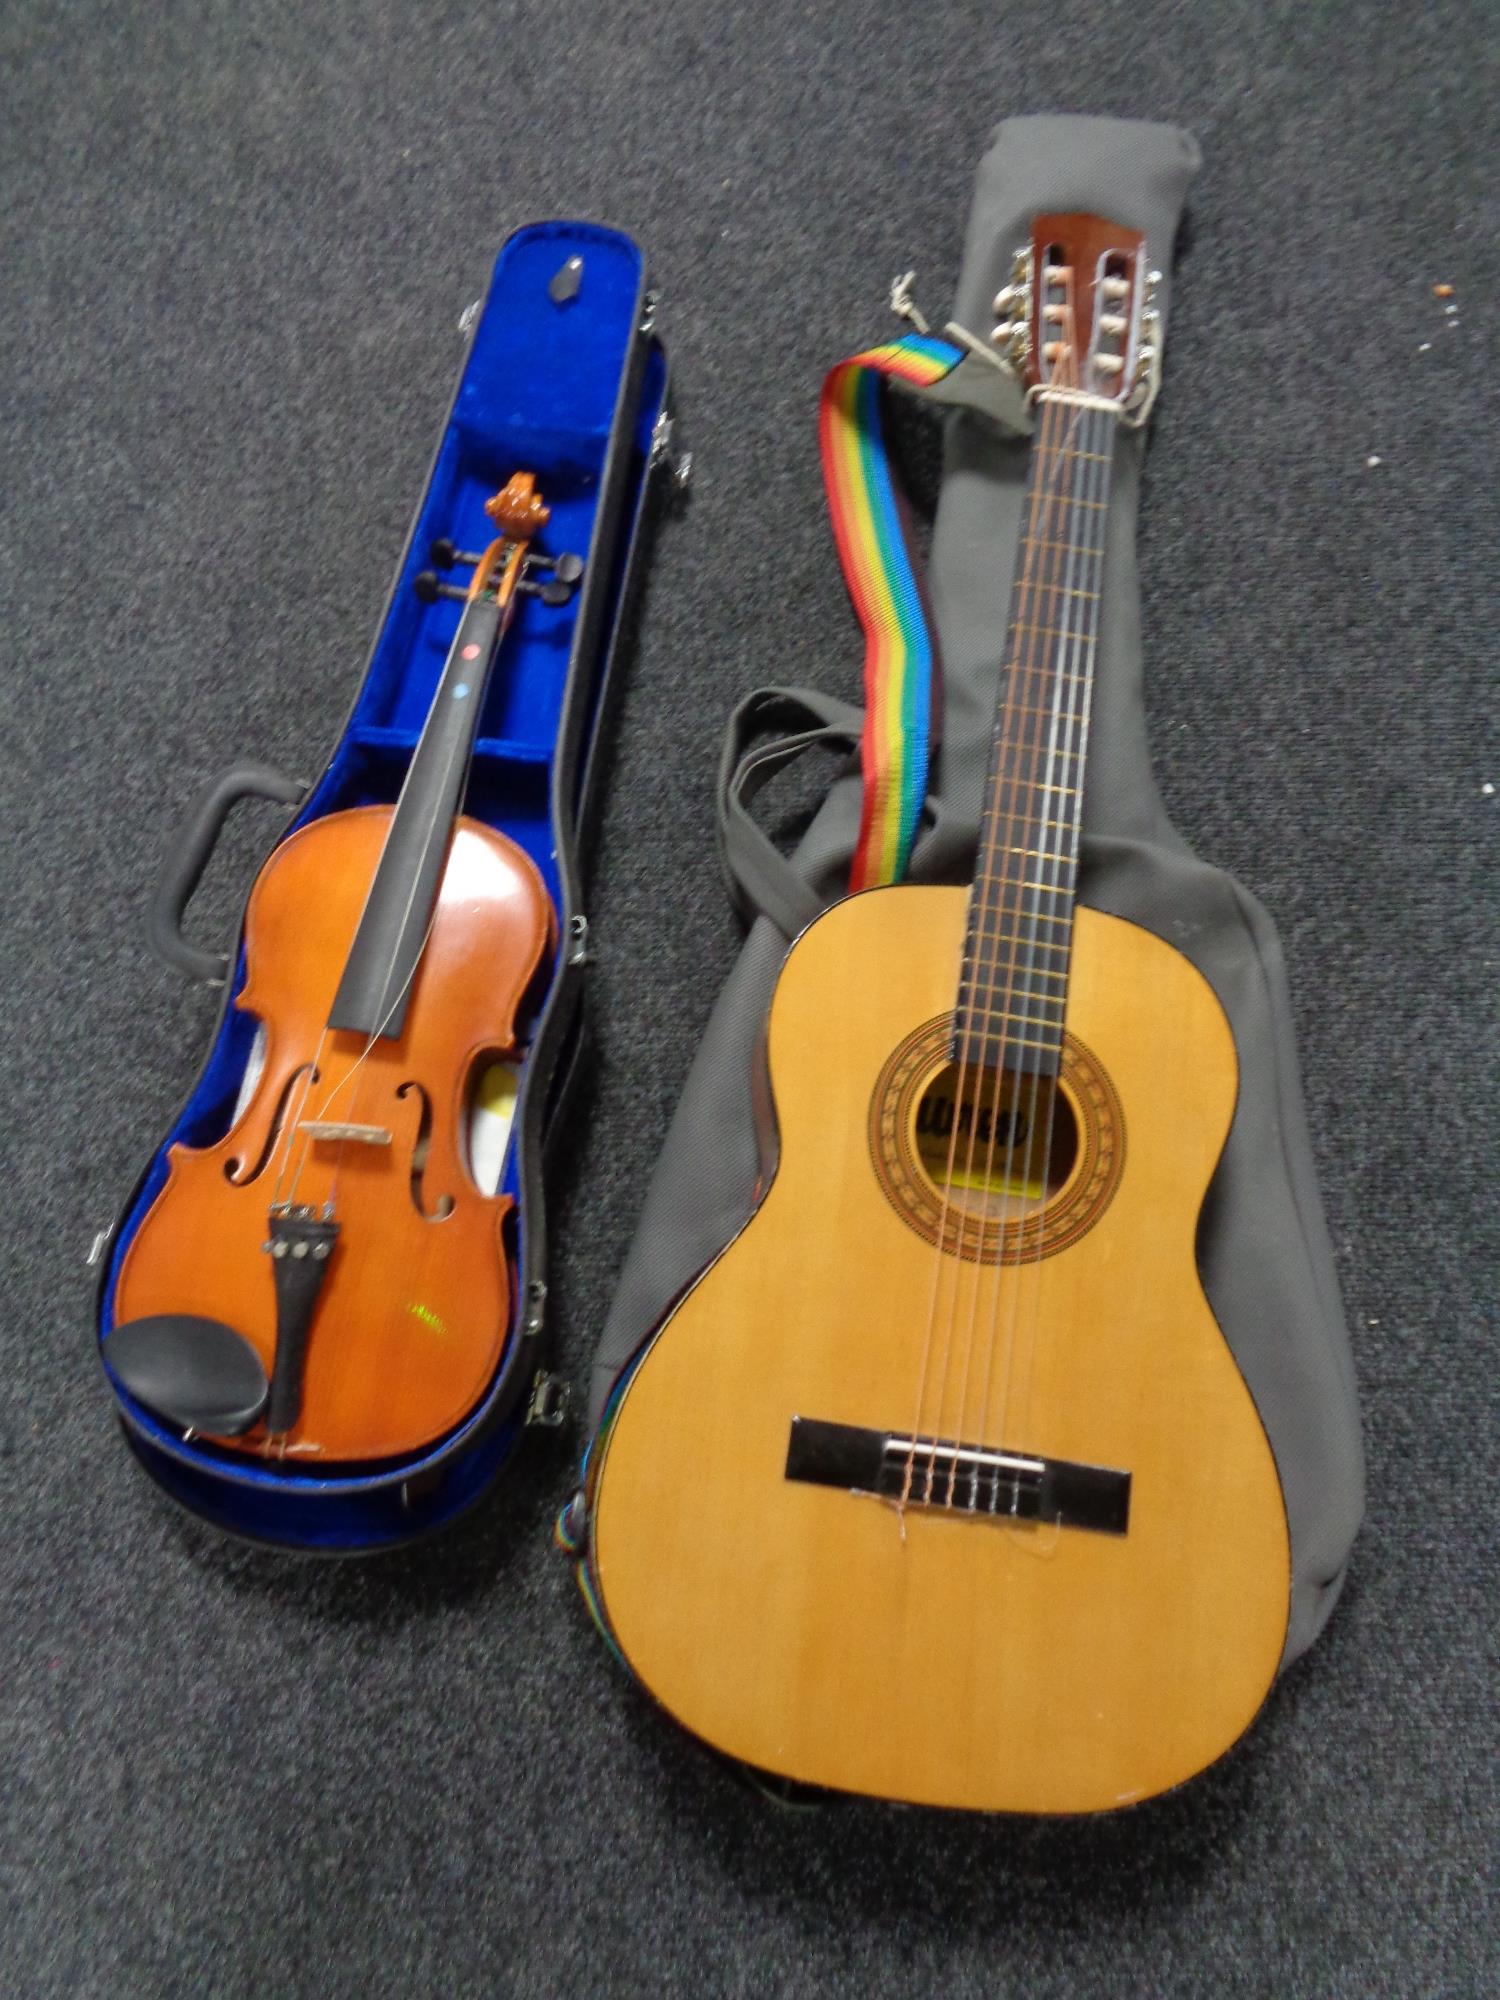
<point>1013,990</point>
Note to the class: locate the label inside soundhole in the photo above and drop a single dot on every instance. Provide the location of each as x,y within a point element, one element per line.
<point>989,1164</point>
<point>994,1137</point>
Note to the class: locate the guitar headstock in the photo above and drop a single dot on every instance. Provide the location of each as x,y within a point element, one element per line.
<point>1078,311</point>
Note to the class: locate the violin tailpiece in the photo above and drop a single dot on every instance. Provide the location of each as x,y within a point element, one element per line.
<point>300,1246</point>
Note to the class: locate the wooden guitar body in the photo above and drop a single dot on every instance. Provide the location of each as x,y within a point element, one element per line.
<point>945,1654</point>
<point>413,1313</point>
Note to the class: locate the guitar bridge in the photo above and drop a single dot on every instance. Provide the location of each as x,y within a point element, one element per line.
<point>965,1479</point>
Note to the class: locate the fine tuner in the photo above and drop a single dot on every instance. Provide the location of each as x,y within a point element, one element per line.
<point>566,570</point>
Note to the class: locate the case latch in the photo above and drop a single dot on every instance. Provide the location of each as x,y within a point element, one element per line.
<point>550,1397</point>
<point>680,464</point>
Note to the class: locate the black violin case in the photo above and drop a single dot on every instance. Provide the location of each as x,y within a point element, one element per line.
<point>565,377</point>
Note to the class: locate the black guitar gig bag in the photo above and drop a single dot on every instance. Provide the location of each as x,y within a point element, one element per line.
<point>1263,1248</point>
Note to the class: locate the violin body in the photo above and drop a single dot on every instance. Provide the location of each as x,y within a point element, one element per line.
<point>808,1622</point>
<point>413,1312</point>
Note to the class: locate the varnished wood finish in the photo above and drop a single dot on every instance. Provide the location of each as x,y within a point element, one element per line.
<point>1083,240</point>
<point>945,1660</point>
<point>410,1324</point>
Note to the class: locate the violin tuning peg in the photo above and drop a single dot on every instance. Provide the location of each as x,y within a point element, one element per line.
<point>429,587</point>
<point>551,592</point>
<point>444,554</point>
<point>566,569</point>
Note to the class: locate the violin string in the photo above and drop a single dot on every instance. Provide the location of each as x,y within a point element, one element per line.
<point>1021,725</point>
<point>352,1071</point>
<point>396,999</point>
<point>286,1139</point>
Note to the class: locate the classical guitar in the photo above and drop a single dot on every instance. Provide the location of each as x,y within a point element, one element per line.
<point>941,1483</point>
<point>328,1280</point>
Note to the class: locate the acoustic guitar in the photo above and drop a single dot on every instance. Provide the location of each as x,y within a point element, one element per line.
<point>941,1483</point>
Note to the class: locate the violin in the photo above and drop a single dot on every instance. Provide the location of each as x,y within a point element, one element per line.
<point>328,1280</point>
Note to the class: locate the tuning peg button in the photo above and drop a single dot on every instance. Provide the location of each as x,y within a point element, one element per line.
<point>550,593</point>
<point>430,587</point>
<point>443,554</point>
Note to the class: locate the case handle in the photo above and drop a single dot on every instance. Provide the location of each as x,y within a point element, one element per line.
<point>189,857</point>
<point>761,879</point>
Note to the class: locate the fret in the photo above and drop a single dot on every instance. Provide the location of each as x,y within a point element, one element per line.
<point>1072,451</point>
<point>1051,632</point>
<point>1005,1041</point>
<point>984,1019</point>
<point>1031,917</point>
<point>1055,750</point>
<point>1009,998</point>
<point>994,873</point>
<point>1012,995</point>
<point>1007,988</point>
<point>1052,714</point>
<point>1062,825</point>
<point>1067,548</point>
<point>1041,972</point>
<point>1012,999</point>
<point>1024,882</point>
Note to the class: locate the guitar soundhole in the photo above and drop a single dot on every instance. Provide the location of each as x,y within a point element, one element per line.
<point>1045,1159</point>
<point>995,1142</point>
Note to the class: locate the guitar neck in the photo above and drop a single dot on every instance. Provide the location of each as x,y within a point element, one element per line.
<point>1014,983</point>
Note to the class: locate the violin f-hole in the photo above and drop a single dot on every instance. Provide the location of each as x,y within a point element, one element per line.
<point>421,1152</point>
<point>233,1168</point>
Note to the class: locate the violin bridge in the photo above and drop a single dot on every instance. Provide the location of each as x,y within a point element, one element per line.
<point>359,1135</point>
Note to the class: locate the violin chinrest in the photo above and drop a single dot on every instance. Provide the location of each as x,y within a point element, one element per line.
<point>195,1372</point>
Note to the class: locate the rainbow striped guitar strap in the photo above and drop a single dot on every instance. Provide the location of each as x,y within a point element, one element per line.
<point>871,528</point>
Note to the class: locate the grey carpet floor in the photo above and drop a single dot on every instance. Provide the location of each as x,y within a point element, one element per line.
<point>235,244</point>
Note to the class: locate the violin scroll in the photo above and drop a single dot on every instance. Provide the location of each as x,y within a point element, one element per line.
<point>518,510</point>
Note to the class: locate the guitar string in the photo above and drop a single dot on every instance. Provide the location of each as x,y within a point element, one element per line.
<point>984,957</point>
<point>1013,881</point>
<point>1074,688</point>
<point>973,931</point>
<point>1022,724</point>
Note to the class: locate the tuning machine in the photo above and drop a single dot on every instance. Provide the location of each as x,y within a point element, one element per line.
<point>1146,353</point>
<point>1012,330</point>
